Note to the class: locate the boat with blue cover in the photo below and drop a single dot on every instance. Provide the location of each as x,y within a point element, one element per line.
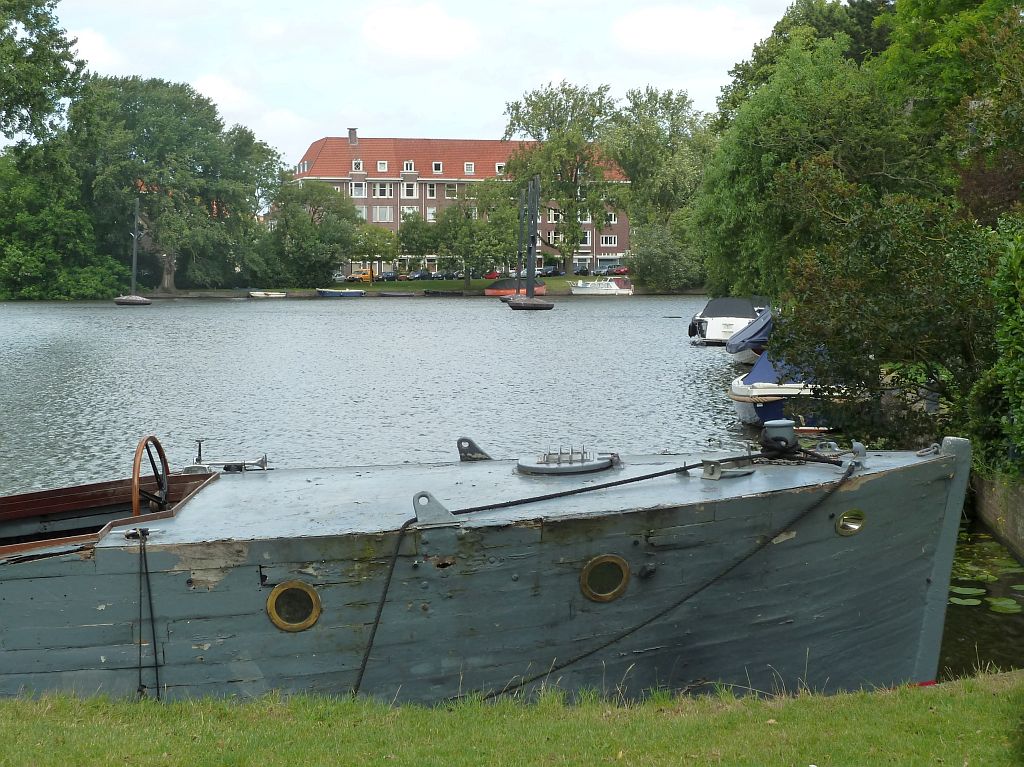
<point>773,569</point>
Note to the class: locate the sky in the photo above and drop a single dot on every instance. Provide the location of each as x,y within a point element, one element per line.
<point>296,72</point>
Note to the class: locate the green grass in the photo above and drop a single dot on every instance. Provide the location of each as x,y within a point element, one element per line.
<point>975,721</point>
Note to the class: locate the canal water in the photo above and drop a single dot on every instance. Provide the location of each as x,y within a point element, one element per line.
<point>391,380</point>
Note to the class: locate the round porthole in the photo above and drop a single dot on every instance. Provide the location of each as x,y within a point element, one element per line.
<point>293,606</point>
<point>604,578</point>
<point>850,522</point>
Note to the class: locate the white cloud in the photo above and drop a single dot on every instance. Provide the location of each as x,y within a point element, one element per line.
<point>419,32</point>
<point>225,94</point>
<point>689,33</point>
<point>100,55</point>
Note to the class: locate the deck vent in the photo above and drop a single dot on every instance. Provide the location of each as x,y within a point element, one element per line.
<point>570,461</point>
<point>293,606</point>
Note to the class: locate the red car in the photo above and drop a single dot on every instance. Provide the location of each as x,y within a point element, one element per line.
<point>491,275</point>
<point>618,270</point>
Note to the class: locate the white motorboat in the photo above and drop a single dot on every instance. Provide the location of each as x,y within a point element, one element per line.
<point>721,318</point>
<point>266,294</point>
<point>761,394</point>
<point>602,286</point>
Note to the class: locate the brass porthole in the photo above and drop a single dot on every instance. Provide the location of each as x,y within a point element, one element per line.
<point>604,578</point>
<point>293,606</point>
<point>850,522</point>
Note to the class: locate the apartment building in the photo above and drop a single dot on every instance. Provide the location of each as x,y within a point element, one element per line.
<point>390,177</point>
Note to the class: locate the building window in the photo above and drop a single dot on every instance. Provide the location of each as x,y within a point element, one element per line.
<point>554,216</point>
<point>337,188</point>
<point>410,190</point>
<point>357,189</point>
<point>383,214</point>
<point>357,165</point>
<point>554,237</point>
<point>451,191</point>
<point>473,213</point>
<point>584,217</point>
<point>438,167</point>
<point>585,239</point>
<point>361,211</point>
<point>382,166</point>
<point>609,240</point>
<point>431,191</point>
<point>431,214</point>
<point>383,190</point>
<point>470,168</point>
<point>409,210</point>
<point>611,217</point>
<point>407,165</point>
<point>499,168</point>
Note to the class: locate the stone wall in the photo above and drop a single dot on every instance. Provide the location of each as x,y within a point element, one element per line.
<point>1000,504</point>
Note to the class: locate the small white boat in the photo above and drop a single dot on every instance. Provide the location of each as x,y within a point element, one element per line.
<point>761,394</point>
<point>602,286</point>
<point>747,344</point>
<point>340,292</point>
<point>266,294</point>
<point>132,300</point>
<point>721,318</point>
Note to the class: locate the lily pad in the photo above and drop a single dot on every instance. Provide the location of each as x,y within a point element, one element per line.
<point>961,601</point>
<point>966,591</point>
<point>1006,605</point>
<point>1011,570</point>
<point>1018,587</point>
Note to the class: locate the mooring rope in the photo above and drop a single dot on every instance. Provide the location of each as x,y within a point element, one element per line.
<point>769,453</point>
<point>141,533</point>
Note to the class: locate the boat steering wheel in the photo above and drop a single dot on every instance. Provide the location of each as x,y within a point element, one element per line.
<point>147,445</point>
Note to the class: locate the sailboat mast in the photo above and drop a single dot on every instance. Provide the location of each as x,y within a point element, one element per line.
<point>135,245</point>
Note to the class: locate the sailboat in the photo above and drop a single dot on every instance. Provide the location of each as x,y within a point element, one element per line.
<point>132,299</point>
<point>528,215</point>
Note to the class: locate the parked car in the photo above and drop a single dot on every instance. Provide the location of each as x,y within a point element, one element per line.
<point>493,274</point>
<point>421,274</point>
<point>582,271</point>
<point>388,277</point>
<point>551,271</point>
<point>618,269</point>
<point>444,275</point>
<point>360,275</point>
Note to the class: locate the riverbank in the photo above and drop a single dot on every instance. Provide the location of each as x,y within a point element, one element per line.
<point>975,721</point>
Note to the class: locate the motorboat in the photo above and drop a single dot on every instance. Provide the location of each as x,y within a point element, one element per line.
<point>748,343</point>
<point>267,294</point>
<point>761,394</point>
<point>602,286</point>
<point>340,292</point>
<point>721,318</point>
<point>756,571</point>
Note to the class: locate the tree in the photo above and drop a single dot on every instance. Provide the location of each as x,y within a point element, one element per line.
<point>417,237</point>
<point>38,70</point>
<point>819,111</point>
<point>457,237</point>
<point>662,257</point>
<point>662,145</point>
<point>375,243</point>
<point>200,187</point>
<point>46,242</point>
<point>564,123</point>
<point>314,229</point>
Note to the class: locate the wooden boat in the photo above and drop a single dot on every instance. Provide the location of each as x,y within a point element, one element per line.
<point>340,292</point>
<point>775,571</point>
<point>267,294</point>
<point>602,286</point>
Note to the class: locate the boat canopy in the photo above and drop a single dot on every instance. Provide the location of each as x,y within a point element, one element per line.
<point>753,336</point>
<point>771,371</point>
<point>729,307</point>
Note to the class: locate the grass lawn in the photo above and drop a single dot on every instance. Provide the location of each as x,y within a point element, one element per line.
<point>975,721</point>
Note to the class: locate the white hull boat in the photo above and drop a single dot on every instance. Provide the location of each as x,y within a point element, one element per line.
<point>602,286</point>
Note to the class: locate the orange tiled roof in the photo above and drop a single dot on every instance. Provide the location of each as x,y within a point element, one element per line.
<point>331,157</point>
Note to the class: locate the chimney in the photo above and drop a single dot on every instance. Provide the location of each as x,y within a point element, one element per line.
<point>353,139</point>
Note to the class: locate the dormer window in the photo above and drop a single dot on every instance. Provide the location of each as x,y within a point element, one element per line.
<point>470,168</point>
<point>357,165</point>
<point>382,166</point>
<point>438,167</point>
<point>499,168</point>
<point>407,165</point>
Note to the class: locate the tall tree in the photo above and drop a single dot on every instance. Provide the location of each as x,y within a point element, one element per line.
<point>662,145</point>
<point>417,238</point>
<point>564,123</point>
<point>314,230</point>
<point>200,187</point>
<point>38,69</point>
